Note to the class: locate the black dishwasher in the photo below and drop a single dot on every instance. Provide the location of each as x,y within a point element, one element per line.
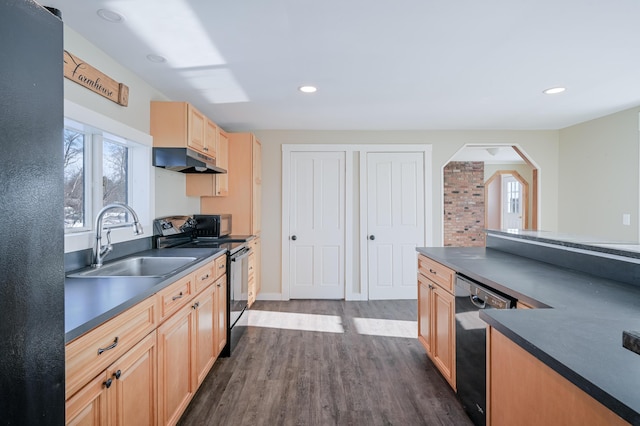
<point>471,344</point>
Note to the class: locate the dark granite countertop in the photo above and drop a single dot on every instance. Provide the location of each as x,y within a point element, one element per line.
<point>89,302</point>
<point>580,337</point>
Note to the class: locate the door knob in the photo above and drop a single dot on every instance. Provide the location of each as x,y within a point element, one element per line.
<point>372,237</point>
<point>293,237</point>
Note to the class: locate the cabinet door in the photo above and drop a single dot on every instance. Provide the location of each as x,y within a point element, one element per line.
<point>195,134</point>
<point>221,313</point>
<point>257,249</point>
<point>424,312</point>
<point>132,395</point>
<point>89,405</point>
<point>175,357</point>
<point>443,339</point>
<point>222,160</point>
<point>211,138</point>
<point>204,313</point>
<point>251,296</point>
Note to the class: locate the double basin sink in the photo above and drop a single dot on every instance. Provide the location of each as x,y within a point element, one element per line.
<point>137,266</point>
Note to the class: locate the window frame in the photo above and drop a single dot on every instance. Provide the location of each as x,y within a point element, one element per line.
<point>140,185</point>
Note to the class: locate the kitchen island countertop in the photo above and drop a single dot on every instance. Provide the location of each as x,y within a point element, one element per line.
<point>579,335</point>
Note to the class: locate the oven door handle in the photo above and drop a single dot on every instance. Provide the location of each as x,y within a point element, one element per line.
<point>242,253</point>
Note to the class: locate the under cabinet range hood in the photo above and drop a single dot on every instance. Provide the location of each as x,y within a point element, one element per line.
<point>185,160</point>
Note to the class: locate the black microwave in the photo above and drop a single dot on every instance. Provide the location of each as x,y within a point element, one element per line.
<point>212,225</point>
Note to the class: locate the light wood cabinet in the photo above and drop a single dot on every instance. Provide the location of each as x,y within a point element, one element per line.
<point>436,315</point>
<point>124,394</point>
<point>93,352</point>
<point>245,186</point>
<point>145,365</point>
<point>524,391</point>
<point>204,309</point>
<point>221,313</point>
<point>257,249</point>
<point>211,131</point>
<point>212,184</point>
<point>251,279</point>
<point>181,125</point>
<point>176,355</point>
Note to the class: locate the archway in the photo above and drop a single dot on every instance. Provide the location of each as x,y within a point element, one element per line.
<point>491,157</point>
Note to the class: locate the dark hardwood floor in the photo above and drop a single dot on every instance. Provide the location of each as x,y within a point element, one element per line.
<point>279,376</point>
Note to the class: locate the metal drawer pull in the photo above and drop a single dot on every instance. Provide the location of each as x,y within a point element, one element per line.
<point>195,305</point>
<point>107,384</point>
<point>221,266</point>
<point>177,297</point>
<point>111,346</point>
<point>117,374</point>
<point>204,277</point>
<point>432,271</point>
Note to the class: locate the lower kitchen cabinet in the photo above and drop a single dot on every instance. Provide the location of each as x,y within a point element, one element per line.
<point>251,279</point>
<point>176,354</point>
<point>124,394</point>
<point>204,308</point>
<point>144,366</point>
<point>187,348</point>
<point>436,316</point>
<point>220,297</point>
<point>523,391</point>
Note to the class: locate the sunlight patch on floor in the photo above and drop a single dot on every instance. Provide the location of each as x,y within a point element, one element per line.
<point>386,327</point>
<point>292,321</point>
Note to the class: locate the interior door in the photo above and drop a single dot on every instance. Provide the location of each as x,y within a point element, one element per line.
<point>317,225</point>
<point>395,223</point>
<point>511,203</point>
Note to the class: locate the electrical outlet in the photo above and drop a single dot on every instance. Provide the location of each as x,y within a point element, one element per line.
<point>626,219</point>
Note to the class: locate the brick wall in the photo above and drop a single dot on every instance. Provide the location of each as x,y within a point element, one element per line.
<point>464,204</point>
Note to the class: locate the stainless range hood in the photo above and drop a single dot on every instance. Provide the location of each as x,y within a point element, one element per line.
<point>185,160</point>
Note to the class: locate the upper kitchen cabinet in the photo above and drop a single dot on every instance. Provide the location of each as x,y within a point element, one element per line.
<point>244,183</point>
<point>212,185</point>
<point>181,125</point>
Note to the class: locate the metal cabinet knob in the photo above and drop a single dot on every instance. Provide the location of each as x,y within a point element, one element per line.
<point>372,237</point>
<point>293,237</point>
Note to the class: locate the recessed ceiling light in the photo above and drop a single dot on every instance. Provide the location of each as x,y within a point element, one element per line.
<point>157,59</point>
<point>554,90</point>
<point>110,16</point>
<point>307,89</point>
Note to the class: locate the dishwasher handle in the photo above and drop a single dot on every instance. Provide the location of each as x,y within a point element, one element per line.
<point>483,297</point>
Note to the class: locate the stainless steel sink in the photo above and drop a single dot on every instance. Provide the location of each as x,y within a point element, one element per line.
<point>140,266</point>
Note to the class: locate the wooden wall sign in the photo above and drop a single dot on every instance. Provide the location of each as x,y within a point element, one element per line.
<point>75,69</point>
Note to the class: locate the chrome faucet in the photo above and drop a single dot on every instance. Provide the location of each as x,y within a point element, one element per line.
<point>99,250</point>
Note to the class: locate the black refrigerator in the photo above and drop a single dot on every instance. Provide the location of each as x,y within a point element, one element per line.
<point>31,216</point>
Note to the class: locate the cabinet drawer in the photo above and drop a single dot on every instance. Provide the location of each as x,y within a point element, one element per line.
<point>92,352</point>
<point>437,273</point>
<point>205,276</point>
<point>220,266</point>
<point>172,298</point>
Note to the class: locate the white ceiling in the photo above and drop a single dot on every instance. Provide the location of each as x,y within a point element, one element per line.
<point>378,64</point>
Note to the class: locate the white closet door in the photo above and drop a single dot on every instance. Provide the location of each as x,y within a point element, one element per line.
<point>395,223</point>
<point>317,225</point>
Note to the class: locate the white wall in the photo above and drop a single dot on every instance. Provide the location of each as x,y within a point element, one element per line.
<point>540,146</point>
<point>169,186</point>
<point>599,177</point>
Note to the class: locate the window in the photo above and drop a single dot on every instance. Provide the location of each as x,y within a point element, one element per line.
<point>105,161</point>
<point>74,179</point>
<point>91,154</point>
